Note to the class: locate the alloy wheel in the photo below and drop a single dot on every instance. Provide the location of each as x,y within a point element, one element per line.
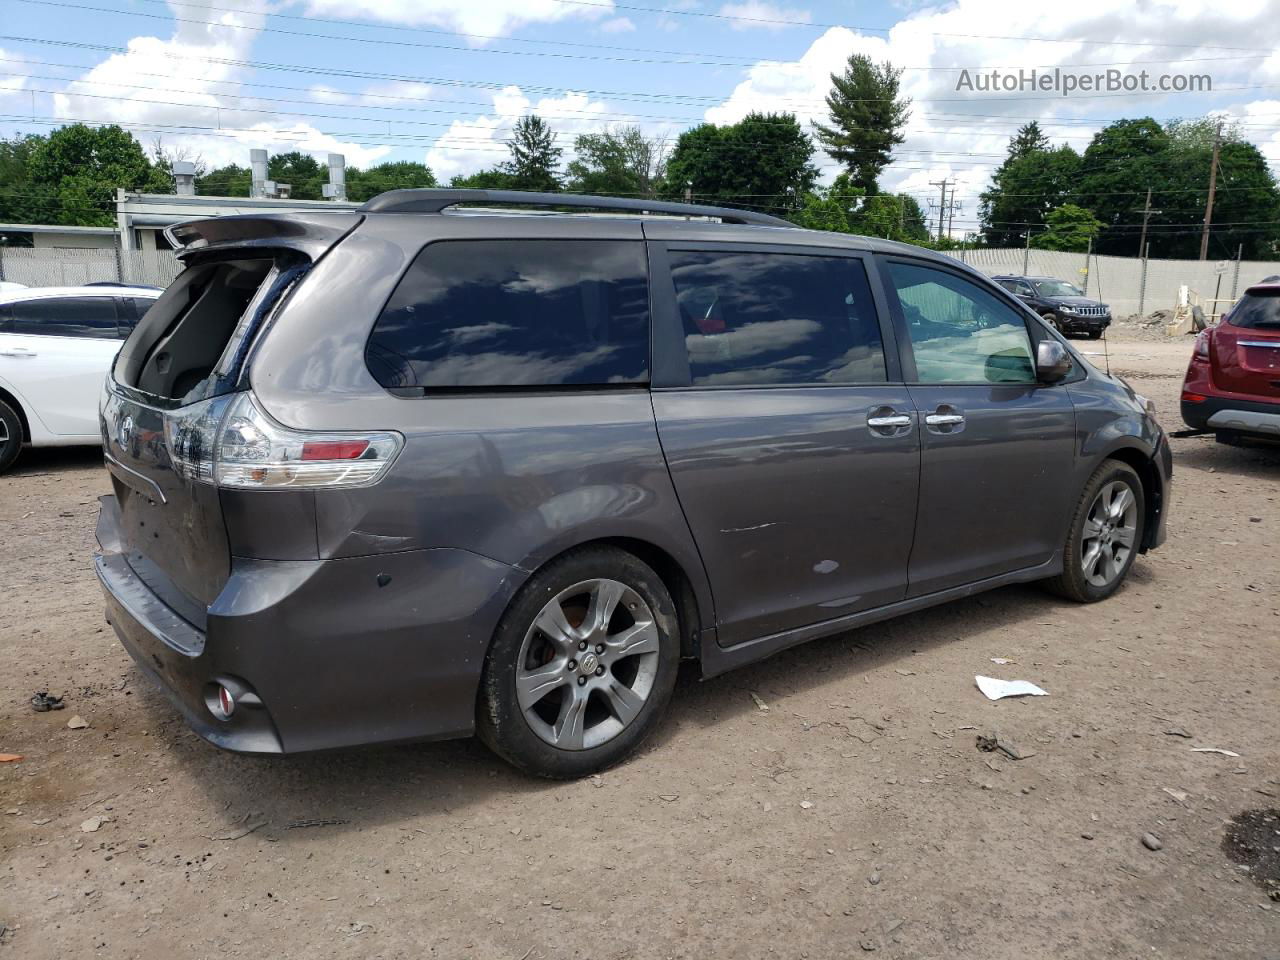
<point>587,664</point>
<point>1109,534</point>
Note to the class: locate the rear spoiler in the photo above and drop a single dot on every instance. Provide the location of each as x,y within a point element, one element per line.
<point>1267,288</point>
<point>309,233</point>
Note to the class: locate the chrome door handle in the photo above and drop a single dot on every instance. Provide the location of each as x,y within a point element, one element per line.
<point>21,353</point>
<point>890,422</point>
<point>943,420</point>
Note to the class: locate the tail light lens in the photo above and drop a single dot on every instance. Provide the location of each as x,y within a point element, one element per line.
<point>1201,349</point>
<point>231,442</point>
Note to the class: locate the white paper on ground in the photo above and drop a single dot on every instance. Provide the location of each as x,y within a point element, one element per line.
<point>994,689</point>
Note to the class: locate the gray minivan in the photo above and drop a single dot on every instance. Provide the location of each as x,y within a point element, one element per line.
<point>471,461</point>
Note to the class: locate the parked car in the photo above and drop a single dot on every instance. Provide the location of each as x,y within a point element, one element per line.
<point>56,344</point>
<point>407,473</point>
<point>1062,305</point>
<point>1232,386</point>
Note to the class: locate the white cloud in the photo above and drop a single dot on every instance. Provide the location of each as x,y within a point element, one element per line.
<point>963,136</point>
<point>482,17</point>
<point>477,144</point>
<point>12,82</point>
<point>191,69</point>
<point>759,15</point>
<point>617,25</point>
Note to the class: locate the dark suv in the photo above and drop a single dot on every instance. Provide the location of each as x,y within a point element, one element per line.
<point>424,469</point>
<point>1062,305</point>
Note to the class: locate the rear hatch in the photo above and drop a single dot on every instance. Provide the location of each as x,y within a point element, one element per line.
<point>1246,345</point>
<point>180,367</point>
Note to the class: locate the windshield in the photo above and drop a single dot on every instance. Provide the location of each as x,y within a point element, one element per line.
<point>1057,288</point>
<point>1257,310</point>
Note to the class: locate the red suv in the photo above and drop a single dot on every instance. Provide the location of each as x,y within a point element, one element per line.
<point>1233,382</point>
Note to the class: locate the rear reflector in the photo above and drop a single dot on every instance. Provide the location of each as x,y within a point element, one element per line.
<point>334,449</point>
<point>1193,397</point>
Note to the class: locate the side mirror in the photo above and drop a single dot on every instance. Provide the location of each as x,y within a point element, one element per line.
<point>1052,361</point>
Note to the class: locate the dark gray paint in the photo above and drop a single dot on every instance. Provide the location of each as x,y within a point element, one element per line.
<point>370,621</point>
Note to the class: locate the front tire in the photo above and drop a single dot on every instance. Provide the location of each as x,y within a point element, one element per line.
<point>10,436</point>
<point>581,667</point>
<point>1052,320</point>
<point>1106,532</point>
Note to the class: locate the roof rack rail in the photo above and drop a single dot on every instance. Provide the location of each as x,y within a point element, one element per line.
<point>435,201</point>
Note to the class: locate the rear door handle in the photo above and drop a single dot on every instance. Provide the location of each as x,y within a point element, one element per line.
<point>20,353</point>
<point>945,420</point>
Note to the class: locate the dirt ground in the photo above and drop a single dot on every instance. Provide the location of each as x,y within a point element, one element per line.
<point>853,816</point>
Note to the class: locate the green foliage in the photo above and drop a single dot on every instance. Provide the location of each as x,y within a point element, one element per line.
<point>72,175</point>
<point>232,180</point>
<point>844,208</point>
<point>764,161</point>
<point>867,117</point>
<point>535,158</point>
<point>496,179</point>
<point>396,175</point>
<point>621,162</point>
<point>16,188</point>
<point>1034,179</point>
<point>1069,228</point>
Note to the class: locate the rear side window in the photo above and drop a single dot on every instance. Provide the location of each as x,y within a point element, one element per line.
<point>768,318</point>
<point>512,313</point>
<point>1257,311</point>
<point>66,317</point>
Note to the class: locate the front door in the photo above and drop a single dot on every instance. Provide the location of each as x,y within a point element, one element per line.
<point>997,447</point>
<point>791,440</point>
<point>60,349</point>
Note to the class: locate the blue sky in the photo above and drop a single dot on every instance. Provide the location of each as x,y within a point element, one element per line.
<point>442,80</point>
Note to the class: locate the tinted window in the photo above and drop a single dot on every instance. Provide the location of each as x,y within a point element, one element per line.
<point>66,317</point>
<point>961,333</point>
<point>758,318</point>
<point>500,313</point>
<point>1257,311</point>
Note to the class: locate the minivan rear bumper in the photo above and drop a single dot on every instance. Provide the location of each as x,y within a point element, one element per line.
<point>322,653</point>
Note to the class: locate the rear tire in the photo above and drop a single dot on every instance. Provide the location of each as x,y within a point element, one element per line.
<point>10,436</point>
<point>581,667</point>
<point>1106,532</point>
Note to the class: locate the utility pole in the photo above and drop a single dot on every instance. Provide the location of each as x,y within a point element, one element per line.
<point>942,206</point>
<point>1146,215</point>
<point>1026,251</point>
<point>1213,186</point>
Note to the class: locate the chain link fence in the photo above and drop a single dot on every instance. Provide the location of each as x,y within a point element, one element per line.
<point>1130,285</point>
<point>58,267</point>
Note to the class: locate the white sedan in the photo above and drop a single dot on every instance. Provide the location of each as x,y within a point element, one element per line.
<point>56,345</point>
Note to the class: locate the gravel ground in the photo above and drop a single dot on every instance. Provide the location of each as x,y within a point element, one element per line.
<point>853,815</point>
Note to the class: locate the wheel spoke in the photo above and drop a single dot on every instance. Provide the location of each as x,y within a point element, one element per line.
<point>1121,500</point>
<point>553,625</point>
<point>532,687</point>
<point>636,639</point>
<point>569,729</point>
<point>623,701</point>
<point>1092,528</point>
<point>604,600</point>
<point>1125,535</point>
<point>1091,558</point>
<point>1108,564</point>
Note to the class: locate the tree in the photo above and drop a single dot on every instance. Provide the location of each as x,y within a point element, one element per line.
<point>844,208</point>
<point>16,188</point>
<point>867,117</point>
<point>495,179</point>
<point>165,157</point>
<point>621,162</point>
<point>1069,228</point>
<point>1032,181</point>
<point>76,170</point>
<point>232,180</point>
<point>395,175</point>
<point>764,161</point>
<point>1029,139</point>
<point>534,155</point>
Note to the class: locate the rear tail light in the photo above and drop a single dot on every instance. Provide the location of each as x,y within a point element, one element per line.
<point>1193,397</point>
<point>231,442</point>
<point>1201,349</point>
